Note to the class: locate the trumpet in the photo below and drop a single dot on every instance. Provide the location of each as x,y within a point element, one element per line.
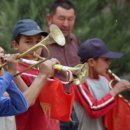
<point>79,72</point>
<point>55,36</point>
<point>113,75</point>
<point>115,78</point>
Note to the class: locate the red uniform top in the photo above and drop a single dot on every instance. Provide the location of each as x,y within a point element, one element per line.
<point>34,118</point>
<point>94,107</point>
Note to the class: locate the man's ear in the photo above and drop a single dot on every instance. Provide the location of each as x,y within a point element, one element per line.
<point>49,20</point>
<point>15,45</point>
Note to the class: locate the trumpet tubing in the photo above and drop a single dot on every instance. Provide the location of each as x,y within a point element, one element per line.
<point>33,49</point>
<point>60,67</point>
<point>79,72</point>
<point>114,75</point>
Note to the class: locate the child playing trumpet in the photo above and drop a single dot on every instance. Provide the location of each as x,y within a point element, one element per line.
<point>12,101</point>
<point>26,34</point>
<point>7,84</point>
<point>94,98</point>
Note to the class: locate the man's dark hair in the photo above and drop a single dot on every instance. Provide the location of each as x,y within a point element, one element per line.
<point>66,4</point>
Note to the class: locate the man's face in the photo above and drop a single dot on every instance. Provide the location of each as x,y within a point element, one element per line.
<point>64,19</point>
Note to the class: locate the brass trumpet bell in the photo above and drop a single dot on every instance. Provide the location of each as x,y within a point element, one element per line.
<point>80,72</point>
<point>55,36</point>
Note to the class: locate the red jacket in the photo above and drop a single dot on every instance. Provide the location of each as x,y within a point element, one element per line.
<point>34,118</point>
<point>95,108</point>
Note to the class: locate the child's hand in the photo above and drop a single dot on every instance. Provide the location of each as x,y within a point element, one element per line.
<point>120,86</point>
<point>46,68</point>
<point>11,63</point>
<point>123,85</point>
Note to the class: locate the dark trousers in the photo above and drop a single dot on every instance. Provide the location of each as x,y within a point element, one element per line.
<point>72,125</point>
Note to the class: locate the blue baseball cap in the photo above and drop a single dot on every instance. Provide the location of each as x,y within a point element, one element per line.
<point>27,27</point>
<point>94,48</point>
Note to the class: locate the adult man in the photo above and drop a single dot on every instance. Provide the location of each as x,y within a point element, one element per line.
<point>62,13</point>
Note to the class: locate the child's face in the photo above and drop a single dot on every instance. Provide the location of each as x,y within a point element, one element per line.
<point>100,66</point>
<point>2,53</point>
<point>26,42</point>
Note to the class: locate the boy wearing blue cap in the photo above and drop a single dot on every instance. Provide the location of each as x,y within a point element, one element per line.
<point>94,98</point>
<point>27,33</point>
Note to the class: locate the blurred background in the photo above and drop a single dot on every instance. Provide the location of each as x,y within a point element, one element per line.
<point>106,19</point>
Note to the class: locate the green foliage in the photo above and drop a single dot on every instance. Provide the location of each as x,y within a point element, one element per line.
<point>12,11</point>
<point>95,18</point>
<point>111,23</point>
